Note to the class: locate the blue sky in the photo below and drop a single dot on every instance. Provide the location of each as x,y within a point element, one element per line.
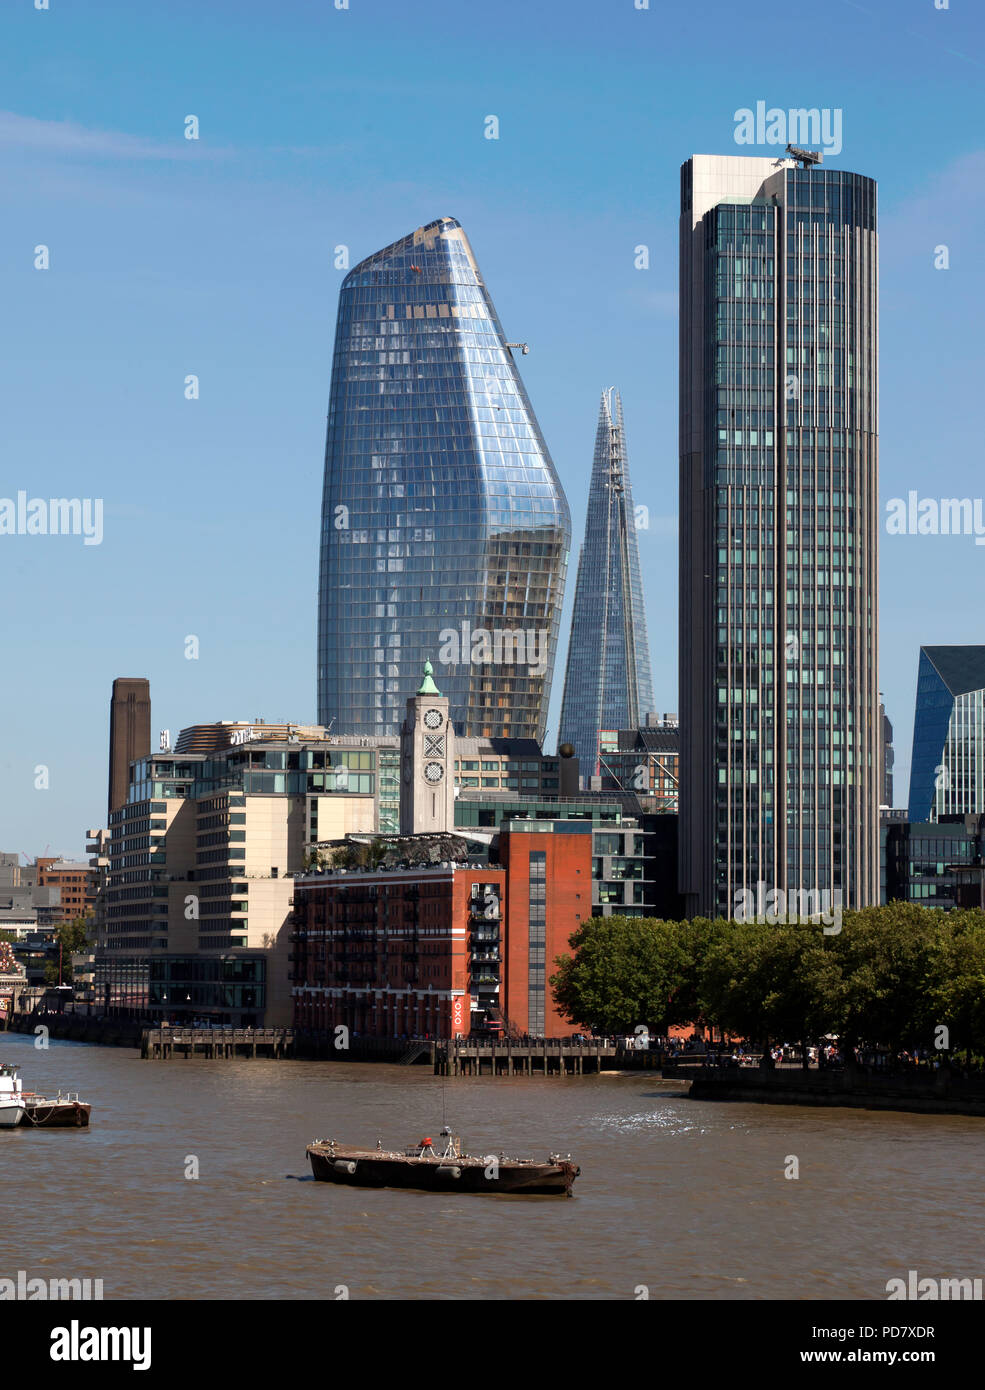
<point>321,127</point>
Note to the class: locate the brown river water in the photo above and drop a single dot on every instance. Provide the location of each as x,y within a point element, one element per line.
<point>685,1199</point>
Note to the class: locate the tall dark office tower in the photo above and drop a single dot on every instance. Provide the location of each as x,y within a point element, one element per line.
<point>129,733</point>
<point>779,700</point>
<point>445,531</point>
<point>607,684</point>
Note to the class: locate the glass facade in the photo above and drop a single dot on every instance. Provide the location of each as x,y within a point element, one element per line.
<point>443,518</point>
<point>182,984</point>
<point>269,771</point>
<point>608,683</point>
<point>788,470</point>
<point>492,813</point>
<point>947,770</point>
<point>934,864</point>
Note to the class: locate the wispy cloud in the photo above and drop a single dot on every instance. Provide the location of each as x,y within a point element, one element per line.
<point>949,209</point>
<point>35,136</point>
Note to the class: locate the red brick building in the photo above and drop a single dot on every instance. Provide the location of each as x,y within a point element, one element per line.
<point>387,952</point>
<point>444,949</point>
<point>76,882</point>
<point>548,894</point>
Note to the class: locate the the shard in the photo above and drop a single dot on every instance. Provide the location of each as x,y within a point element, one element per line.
<point>607,684</point>
<point>445,530</point>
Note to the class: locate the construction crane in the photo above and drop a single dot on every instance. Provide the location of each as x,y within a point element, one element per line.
<point>37,856</point>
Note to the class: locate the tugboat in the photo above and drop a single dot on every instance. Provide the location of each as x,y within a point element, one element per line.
<point>64,1112</point>
<point>440,1169</point>
<point>11,1097</point>
<point>18,1106</point>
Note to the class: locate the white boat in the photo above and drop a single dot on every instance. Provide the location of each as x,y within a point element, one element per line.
<point>12,1105</point>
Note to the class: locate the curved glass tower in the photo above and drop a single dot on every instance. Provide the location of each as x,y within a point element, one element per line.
<point>445,530</point>
<point>607,684</point>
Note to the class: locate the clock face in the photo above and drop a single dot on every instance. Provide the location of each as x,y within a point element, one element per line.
<point>432,719</point>
<point>433,772</point>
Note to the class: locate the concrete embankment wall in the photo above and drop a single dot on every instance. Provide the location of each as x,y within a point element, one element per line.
<point>111,1032</point>
<point>942,1093</point>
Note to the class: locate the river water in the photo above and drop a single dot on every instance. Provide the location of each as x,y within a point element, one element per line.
<point>683,1199</point>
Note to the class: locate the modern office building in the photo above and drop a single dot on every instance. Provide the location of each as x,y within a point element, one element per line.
<point>644,760</point>
<point>129,733</point>
<point>934,863</point>
<point>212,738</point>
<point>445,530</point>
<point>607,683</point>
<point>634,866</point>
<point>194,920</point>
<point>779,523</point>
<point>947,769</point>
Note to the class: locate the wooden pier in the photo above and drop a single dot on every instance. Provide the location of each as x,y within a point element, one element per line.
<point>536,1057</point>
<point>163,1044</point>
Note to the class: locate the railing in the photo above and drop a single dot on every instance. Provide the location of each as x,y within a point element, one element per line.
<point>590,1046</point>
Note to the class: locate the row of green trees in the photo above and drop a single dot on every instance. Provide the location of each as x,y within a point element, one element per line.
<point>894,976</point>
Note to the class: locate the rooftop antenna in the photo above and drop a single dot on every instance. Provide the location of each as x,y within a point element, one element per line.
<point>805,157</point>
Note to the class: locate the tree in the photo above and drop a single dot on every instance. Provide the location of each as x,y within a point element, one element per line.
<point>625,971</point>
<point>697,937</point>
<point>956,982</point>
<point>885,955</point>
<point>726,987</point>
<point>71,937</point>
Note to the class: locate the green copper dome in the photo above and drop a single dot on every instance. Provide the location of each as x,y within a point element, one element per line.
<point>427,685</point>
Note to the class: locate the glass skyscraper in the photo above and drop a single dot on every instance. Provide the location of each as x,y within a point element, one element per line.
<point>445,530</point>
<point>607,684</point>
<point>947,770</point>
<point>779,702</point>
